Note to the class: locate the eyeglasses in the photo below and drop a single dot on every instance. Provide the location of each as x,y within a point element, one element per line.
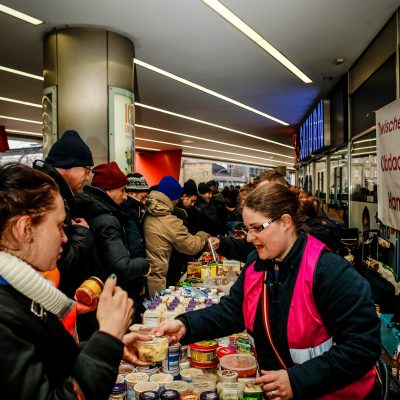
<point>88,170</point>
<point>258,229</point>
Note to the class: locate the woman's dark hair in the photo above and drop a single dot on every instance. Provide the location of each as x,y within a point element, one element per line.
<point>24,191</point>
<point>274,199</point>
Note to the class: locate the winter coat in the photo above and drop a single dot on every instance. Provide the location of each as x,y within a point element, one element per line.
<point>72,266</point>
<point>40,359</point>
<point>343,300</point>
<point>163,232</point>
<point>109,253</point>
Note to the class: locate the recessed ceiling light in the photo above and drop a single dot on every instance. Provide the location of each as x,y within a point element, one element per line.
<point>25,103</point>
<point>21,119</point>
<point>208,149</point>
<point>205,90</point>
<point>211,140</point>
<point>20,15</point>
<point>224,12</point>
<point>211,124</point>
<point>24,132</point>
<point>18,72</point>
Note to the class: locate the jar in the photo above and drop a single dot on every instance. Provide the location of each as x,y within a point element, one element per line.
<point>203,352</point>
<point>153,350</point>
<point>169,394</point>
<point>148,395</point>
<point>89,290</point>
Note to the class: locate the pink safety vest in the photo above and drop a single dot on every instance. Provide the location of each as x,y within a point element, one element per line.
<point>307,334</point>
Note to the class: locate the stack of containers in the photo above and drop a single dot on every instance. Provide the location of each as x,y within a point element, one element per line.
<point>203,355</point>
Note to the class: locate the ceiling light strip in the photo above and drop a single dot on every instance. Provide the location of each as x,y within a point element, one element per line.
<point>211,150</point>
<point>205,90</point>
<point>25,103</point>
<point>24,132</point>
<point>227,14</point>
<point>230,160</point>
<point>210,124</point>
<point>364,153</point>
<point>146,148</point>
<point>211,141</point>
<point>21,119</point>
<point>20,15</point>
<point>364,140</point>
<point>18,72</point>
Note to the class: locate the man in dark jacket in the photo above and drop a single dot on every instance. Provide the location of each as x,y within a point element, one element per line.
<point>69,163</point>
<point>100,204</point>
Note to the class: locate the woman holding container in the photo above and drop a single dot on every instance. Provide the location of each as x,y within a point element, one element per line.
<point>308,313</point>
<point>40,358</point>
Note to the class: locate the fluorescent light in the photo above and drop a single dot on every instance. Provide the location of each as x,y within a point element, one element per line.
<point>226,159</point>
<point>24,132</point>
<point>210,140</point>
<point>368,153</point>
<point>210,124</point>
<point>205,90</point>
<point>255,37</point>
<point>20,15</point>
<point>202,148</point>
<point>146,148</point>
<point>365,147</point>
<point>18,72</point>
<point>21,119</point>
<point>364,140</point>
<point>25,103</point>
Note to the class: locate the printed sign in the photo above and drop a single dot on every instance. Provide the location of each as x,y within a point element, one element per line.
<point>121,128</point>
<point>388,163</point>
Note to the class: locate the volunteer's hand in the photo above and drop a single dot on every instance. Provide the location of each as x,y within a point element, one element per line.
<point>175,329</point>
<point>115,309</point>
<point>215,242</point>
<point>80,221</point>
<point>130,349</point>
<point>83,308</point>
<point>275,384</point>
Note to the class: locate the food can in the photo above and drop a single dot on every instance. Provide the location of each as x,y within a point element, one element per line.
<point>89,290</point>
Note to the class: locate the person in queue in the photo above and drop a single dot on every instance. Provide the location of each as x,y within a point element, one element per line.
<point>307,311</point>
<point>39,357</point>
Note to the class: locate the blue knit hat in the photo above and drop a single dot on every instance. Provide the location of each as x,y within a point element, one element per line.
<point>70,151</point>
<point>170,187</point>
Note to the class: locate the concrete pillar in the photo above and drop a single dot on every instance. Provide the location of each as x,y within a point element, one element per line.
<point>80,66</point>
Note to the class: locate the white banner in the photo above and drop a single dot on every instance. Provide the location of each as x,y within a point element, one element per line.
<point>388,163</point>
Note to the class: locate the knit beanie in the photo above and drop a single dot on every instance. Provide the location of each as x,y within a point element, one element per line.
<point>170,187</point>
<point>137,183</point>
<point>70,151</point>
<point>203,188</point>
<point>108,176</point>
<point>190,188</point>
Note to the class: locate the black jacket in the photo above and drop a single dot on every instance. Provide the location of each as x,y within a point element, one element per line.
<point>133,227</point>
<point>109,253</point>
<point>40,360</point>
<point>344,301</point>
<point>72,267</point>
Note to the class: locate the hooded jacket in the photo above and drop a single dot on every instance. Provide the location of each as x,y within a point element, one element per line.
<point>163,232</point>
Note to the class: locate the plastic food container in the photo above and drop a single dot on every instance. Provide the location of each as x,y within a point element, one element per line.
<point>244,364</point>
<point>125,369</point>
<point>145,387</point>
<point>188,373</point>
<point>179,386</point>
<point>227,375</point>
<point>209,367</point>
<point>131,380</point>
<point>90,289</point>
<point>224,351</point>
<point>161,379</point>
<point>189,396</point>
<point>154,350</point>
<point>203,352</point>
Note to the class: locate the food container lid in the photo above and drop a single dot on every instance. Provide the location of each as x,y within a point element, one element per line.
<point>169,394</point>
<point>136,377</point>
<point>204,365</point>
<point>227,375</point>
<point>148,395</point>
<point>224,351</point>
<point>209,395</point>
<point>188,396</point>
<point>161,377</point>
<point>205,345</point>
<point>238,362</point>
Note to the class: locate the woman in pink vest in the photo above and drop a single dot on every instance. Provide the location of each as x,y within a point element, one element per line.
<point>309,314</point>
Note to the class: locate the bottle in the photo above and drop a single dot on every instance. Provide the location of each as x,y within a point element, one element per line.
<point>151,316</point>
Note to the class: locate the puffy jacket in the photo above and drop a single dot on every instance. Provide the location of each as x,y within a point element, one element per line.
<point>40,359</point>
<point>343,300</point>
<point>109,253</point>
<point>72,264</point>
<point>163,232</point>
